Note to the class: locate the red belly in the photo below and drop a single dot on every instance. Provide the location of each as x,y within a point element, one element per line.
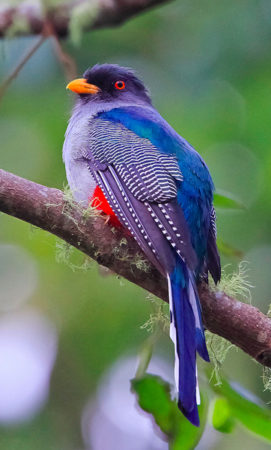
<point>99,201</point>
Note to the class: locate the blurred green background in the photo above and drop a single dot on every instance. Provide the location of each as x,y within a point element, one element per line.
<point>208,66</point>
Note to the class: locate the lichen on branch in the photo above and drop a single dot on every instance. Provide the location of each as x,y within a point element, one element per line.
<point>49,209</point>
<point>67,17</point>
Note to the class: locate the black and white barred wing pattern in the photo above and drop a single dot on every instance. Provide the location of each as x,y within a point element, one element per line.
<point>147,173</point>
<point>140,185</point>
<point>213,258</point>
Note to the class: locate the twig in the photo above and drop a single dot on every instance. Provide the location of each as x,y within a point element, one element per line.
<point>240,323</point>
<point>30,52</point>
<point>65,59</point>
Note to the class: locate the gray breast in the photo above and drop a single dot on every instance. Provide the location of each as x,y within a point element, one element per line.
<point>75,146</point>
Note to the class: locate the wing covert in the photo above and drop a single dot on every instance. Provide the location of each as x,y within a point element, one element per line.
<point>139,183</point>
<point>149,174</point>
<point>213,258</point>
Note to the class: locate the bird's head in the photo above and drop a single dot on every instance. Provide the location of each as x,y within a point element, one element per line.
<point>109,83</point>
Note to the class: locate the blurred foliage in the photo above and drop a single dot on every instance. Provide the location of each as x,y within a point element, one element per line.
<point>239,405</point>
<point>227,249</point>
<point>208,66</point>
<point>226,202</point>
<point>222,416</point>
<point>233,405</point>
<point>154,397</point>
<point>218,349</point>
<point>82,15</point>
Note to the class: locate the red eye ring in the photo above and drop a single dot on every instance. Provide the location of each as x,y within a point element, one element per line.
<point>120,85</point>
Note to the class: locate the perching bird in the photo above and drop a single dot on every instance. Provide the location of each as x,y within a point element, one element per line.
<point>122,156</point>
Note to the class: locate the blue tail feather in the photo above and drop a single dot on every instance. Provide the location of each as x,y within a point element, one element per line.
<point>195,303</point>
<point>201,345</point>
<point>189,336</point>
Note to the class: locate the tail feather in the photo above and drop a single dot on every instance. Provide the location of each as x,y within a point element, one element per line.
<point>195,304</point>
<point>187,333</point>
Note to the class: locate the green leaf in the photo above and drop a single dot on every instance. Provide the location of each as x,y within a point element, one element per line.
<point>222,416</point>
<point>153,396</point>
<point>246,408</point>
<point>226,201</point>
<point>227,249</point>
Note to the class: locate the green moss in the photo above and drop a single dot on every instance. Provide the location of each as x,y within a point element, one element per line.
<point>159,317</point>
<point>267,378</point>
<point>68,196</point>
<point>123,241</point>
<point>91,211</point>
<point>68,200</point>
<point>67,254</point>
<point>236,284</point>
<point>122,253</point>
<point>218,349</point>
<point>140,263</point>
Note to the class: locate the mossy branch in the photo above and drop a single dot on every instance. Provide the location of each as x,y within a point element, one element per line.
<point>67,17</point>
<point>51,210</point>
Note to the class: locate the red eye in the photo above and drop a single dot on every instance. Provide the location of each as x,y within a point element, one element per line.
<point>120,85</point>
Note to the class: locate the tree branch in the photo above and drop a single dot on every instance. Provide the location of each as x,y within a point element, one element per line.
<point>29,18</point>
<point>47,208</point>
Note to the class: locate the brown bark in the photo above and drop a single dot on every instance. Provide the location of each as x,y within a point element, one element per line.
<point>240,323</point>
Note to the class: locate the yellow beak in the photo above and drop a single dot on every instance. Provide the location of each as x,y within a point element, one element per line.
<point>81,86</point>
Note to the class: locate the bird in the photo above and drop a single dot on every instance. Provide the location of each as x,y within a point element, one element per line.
<point>123,158</point>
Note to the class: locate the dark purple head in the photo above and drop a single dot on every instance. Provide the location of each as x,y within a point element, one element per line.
<point>110,82</point>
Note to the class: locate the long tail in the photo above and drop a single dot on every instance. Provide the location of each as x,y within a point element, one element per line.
<point>187,333</point>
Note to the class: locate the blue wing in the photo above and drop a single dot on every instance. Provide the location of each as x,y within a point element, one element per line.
<point>194,191</point>
<point>140,183</point>
<point>161,189</point>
